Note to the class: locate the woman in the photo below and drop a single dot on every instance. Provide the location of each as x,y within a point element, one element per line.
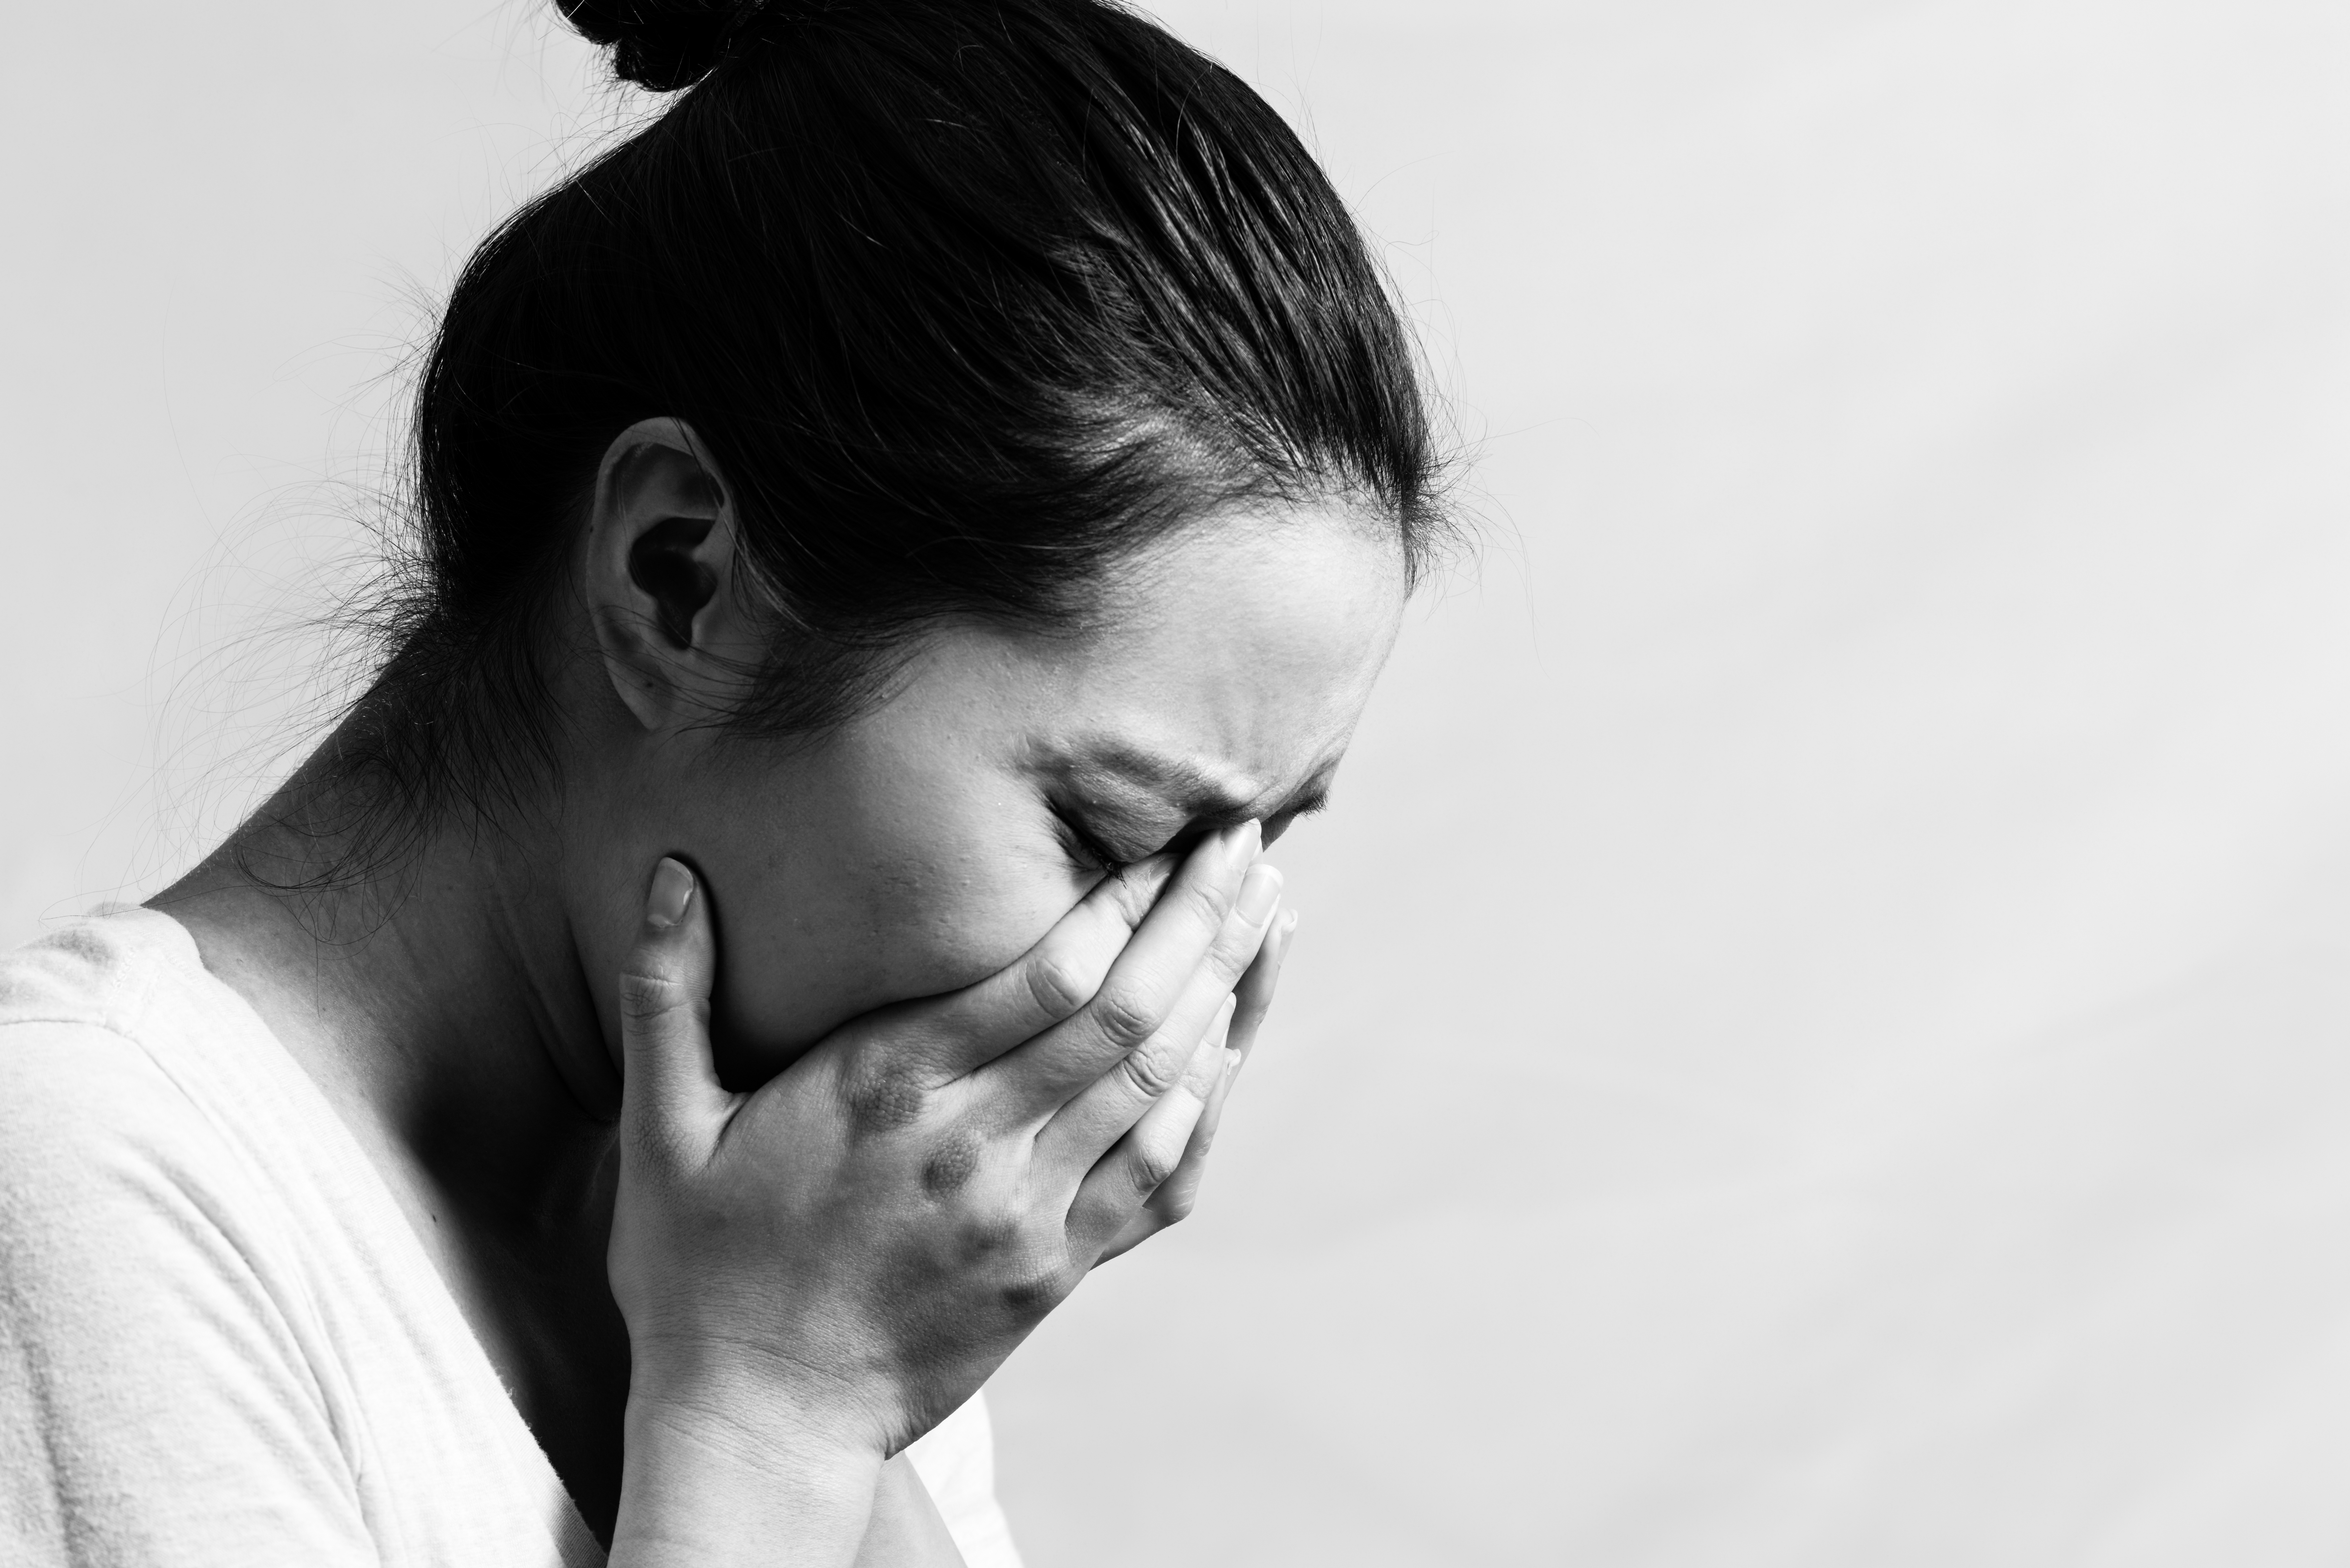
<point>896,539</point>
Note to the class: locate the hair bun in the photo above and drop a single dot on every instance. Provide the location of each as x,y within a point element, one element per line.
<point>663,45</point>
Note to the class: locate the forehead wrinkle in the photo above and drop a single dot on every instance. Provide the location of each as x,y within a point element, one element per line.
<point>1196,787</point>
<point>1191,783</point>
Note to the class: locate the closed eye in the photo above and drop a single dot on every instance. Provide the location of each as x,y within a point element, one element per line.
<point>1086,847</point>
<point>1093,852</point>
<point>1275,825</point>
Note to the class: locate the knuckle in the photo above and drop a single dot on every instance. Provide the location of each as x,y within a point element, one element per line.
<point>1036,1291</point>
<point>1126,1019</point>
<point>950,1168</point>
<point>880,1096</point>
<point>1154,1161</point>
<point>1155,1068</point>
<point>988,1232</point>
<point>1056,985</point>
<point>648,996</point>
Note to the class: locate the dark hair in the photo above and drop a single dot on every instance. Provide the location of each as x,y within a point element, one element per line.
<point>966,301</point>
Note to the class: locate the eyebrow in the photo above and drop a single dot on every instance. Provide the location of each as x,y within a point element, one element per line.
<point>1200,792</point>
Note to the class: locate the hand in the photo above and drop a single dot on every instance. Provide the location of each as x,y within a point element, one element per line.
<point>814,1272</point>
<point>1251,1000</point>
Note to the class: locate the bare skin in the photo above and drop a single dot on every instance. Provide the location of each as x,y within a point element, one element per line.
<point>495,1026</point>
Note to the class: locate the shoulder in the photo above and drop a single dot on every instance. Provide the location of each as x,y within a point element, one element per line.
<point>91,1124</point>
<point>83,1088</point>
<point>88,971</point>
<point>156,1380</point>
<point>111,1020</point>
<point>115,1171</point>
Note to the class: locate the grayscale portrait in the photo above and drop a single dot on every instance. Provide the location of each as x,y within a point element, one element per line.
<point>1248,782</point>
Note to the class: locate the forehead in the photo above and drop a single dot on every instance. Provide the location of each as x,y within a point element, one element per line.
<point>1238,655</point>
<point>1249,644</point>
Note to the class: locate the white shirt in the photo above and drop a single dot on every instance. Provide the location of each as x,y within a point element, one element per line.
<point>221,1343</point>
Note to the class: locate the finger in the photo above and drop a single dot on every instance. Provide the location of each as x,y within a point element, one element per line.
<point>1050,982</point>
<point>1099,1113</point>
<point>1176,1197</point>
<point>1255,993</point>
<point>669,1083</point>
<point>1150,982</point>
<point>1171,1199</point>
<point>1251,1000</point>
<point>1121,1182</point>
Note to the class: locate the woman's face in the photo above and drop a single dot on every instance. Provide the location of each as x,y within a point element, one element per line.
<point>932,841</point>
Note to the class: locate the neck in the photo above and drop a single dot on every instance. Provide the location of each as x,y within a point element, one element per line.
<point>442,1007</point>
<point>439,1003</point>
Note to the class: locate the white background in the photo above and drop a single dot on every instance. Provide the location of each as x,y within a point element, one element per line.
<point>1822,1033</point>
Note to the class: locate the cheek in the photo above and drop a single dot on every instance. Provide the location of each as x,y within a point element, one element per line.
<point>876,903</point>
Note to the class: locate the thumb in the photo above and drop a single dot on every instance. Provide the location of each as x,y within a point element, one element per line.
<point>670,1091</point>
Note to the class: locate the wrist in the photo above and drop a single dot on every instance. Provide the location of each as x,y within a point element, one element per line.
<point>752,1392</point>
<point>716,1476</point>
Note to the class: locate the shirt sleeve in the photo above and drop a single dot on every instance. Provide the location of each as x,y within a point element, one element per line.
<point>156,1409</point>
<point>956,1459</point>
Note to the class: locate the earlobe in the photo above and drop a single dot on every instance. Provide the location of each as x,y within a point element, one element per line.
<point>658,557</point>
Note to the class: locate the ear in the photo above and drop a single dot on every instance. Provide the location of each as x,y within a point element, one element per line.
<point>659,577</point>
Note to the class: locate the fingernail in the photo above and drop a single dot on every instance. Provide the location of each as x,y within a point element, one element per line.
<point>1288,932</point>
<point>672,891</point>
<point>1247,838</point>
<point>1260,890</point>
